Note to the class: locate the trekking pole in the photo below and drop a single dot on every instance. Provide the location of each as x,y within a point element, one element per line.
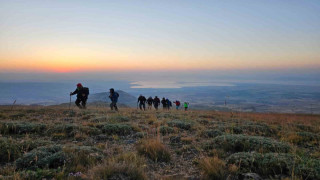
<point>14,102</point>
<point>70,103</point>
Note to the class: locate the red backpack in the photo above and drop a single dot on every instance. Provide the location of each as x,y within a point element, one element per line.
<point>178,103</point>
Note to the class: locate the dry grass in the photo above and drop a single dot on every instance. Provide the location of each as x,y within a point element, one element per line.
<point>154,149</point>
<point>124,166</point>
<point>213,168</point>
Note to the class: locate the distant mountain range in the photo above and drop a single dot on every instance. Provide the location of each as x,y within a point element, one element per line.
<point>124,98</point>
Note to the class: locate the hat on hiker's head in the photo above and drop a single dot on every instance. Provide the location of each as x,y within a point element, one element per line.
<point>111,90</point>
<point>79,85</point>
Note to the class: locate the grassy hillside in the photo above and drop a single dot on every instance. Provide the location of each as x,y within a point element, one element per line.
<point>53,142</point>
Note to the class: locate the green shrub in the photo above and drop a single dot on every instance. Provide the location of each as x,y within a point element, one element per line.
<point>270,164</point>
<point>9,150</point>
<point>249,128</point>
<point>119,118</point>
<point>166,130</point>
<point>21,128</point>
<point>90,130</point>
<point>308,168</point>
<point>140,135</point>
<point>309,137</point>
<point>240,143</point>
<point>154,149</point>
<point>118,129</point>
<point>30,144</point>
<point>180,124</point>
<point>82,157</point>
<point>211,133</point>
<point>68,129</point>
<point>42,157</point>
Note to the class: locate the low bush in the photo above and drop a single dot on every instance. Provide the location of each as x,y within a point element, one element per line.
<point>164,130</point>
<point>309,137</point>
<point>211,133</point>
<point>30,144</point>
<point>240,143</point>
<point>42,157</point>
<point>82,157</point>
<point>118,129</point>
<point>21,128</point>
<point>119,118</point>
<point>124,166</point>
<point>154,149</point>
<point>270,164</point>
<point>180,124</point>
<point>9,150</point>
<point>249,128</point>
<point>69,130</point>
<point>90,130</point>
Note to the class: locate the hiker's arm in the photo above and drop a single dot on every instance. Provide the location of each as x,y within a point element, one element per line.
<point>74,92</point>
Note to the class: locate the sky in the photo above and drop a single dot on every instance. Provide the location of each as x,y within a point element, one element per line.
<point>67,38</point>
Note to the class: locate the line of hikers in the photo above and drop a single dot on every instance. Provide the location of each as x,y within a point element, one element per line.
<point>83,93</point>
<point>166,103</point>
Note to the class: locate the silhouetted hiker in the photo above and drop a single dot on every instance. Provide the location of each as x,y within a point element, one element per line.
<point>156,102</point>
<point>186,105</point>
<point>82,95</point>
<point>150,101</point>
<point>177,104</point>
<point>164,103</point>
<point>142,102</point>
<point>169,104</point>
<point>114,99</point>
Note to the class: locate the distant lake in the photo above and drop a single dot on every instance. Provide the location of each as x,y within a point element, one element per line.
<point>173,84</point>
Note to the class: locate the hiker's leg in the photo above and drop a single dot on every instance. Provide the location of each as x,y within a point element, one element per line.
<point>83,103</point>
<point>140,106</point>
<point>78,102</point>
<point>115,106</point>
<point>144,106</point>
<point>111,105</point>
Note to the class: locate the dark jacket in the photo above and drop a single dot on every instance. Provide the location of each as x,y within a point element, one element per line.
<point>150,100</point>
<point>156,101</point>
<point>114,97</point>
<point>80,91</point>
<point>164,102</point>
<point>142,99</point>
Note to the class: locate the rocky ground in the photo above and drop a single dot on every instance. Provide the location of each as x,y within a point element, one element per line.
<point>96,143</point>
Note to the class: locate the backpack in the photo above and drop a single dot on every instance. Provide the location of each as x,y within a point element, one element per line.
<point>178,103</point>
<point>117,94</point>
<point>86,91</point>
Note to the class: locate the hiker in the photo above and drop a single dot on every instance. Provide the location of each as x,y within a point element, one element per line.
<point>150,102</point>
<point>164,103</point>
<point>186,105</point>
<point>142,102</point>
<point>82,96</point>
<point>114,99</point>
<point>169,104</point>
<point>177,104</point>
<point>156,102</point>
